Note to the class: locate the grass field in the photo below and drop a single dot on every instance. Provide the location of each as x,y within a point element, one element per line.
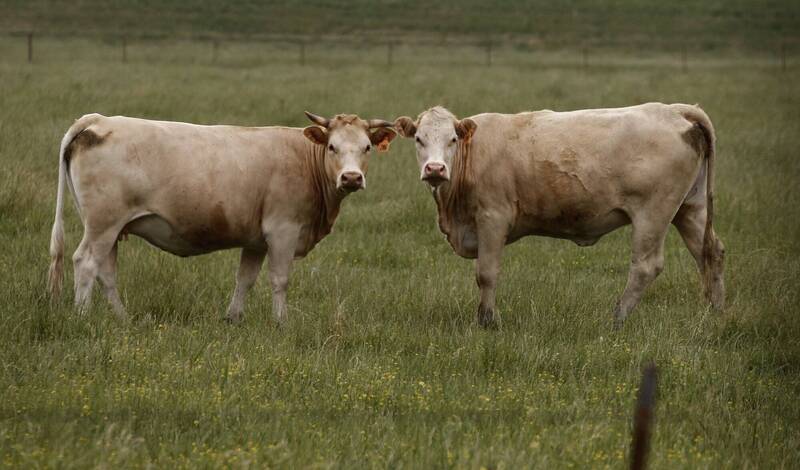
<point>381,363</point>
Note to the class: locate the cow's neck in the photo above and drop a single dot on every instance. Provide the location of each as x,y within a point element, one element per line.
<point>326,198</point>
<point>454,199</point>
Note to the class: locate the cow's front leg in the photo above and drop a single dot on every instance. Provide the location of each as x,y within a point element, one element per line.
<point>281,254</point>
<point>490,249</point>
<point>249,267</point>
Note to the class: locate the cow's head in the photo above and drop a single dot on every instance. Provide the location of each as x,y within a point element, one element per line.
<point>437,133</point>
<point>348,141</point>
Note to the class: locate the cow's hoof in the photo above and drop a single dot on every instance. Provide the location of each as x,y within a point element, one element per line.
<point>487,318</point>
<point>232,320</point>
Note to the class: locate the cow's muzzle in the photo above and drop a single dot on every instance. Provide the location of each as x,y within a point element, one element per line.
<point>435,174</point>
<point>351,181</point>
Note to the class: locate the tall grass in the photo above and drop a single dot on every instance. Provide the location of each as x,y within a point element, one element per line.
<point>381,363</point>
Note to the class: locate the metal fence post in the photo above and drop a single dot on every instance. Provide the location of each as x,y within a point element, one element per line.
<point>30,47</point>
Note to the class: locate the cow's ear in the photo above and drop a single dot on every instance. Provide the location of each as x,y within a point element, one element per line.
<point>405,126</point>
<point>316,134</point>
<point>465,128</point>
<point>382,137</point>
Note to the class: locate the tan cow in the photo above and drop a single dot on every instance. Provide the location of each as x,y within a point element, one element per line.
<point>191,189</point>
<point>574,175</point>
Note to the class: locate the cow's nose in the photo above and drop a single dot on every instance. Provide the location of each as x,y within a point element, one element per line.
<point>352,180</point>
<point>434,169</point>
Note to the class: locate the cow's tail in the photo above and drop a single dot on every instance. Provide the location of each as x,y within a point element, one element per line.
<point>55,278</point>
<point>712,247</point>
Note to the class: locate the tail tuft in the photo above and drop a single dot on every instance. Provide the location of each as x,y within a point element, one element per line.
<point>55,277</point>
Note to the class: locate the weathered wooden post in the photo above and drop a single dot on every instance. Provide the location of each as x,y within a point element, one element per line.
<point>585,56</point>
<point>783,56</point>
<point>684,65</point>
<point>30,47</point>
<point>643,418</point>
<point>302,52</point>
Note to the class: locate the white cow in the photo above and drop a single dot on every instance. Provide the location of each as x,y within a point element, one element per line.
<point>575,175</point>
<point>191,189</point>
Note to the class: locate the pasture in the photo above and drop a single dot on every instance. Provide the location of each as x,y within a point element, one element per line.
<point>381,363</point>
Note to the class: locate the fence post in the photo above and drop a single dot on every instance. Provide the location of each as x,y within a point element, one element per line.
<point>389,53</point>
<point>783,56</point>
<point>30,47</point>
<point>585,56</point>
<point>643,418</point>
<point>489,53</point>
<point>684,65</point>
<point>302,53</point>
<point>124,49</point>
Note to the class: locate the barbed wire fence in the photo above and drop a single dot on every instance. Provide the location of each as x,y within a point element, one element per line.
<point>391,51</point>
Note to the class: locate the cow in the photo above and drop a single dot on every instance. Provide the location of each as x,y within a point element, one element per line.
<point>192,189</point>
<point>573,175</point>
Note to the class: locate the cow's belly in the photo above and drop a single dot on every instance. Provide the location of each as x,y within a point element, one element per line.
<point>159,232</point>
<point>584,231</point>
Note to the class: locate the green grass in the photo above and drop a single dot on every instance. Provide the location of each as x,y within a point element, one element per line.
<point>381,363</point>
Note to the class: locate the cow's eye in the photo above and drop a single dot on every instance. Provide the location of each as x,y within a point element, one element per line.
<point>367,148</point>
<point>453,141</point>
<point>330,147</point>
<point>419,141</point>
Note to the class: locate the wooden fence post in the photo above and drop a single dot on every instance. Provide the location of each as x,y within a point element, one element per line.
<point>684,65</point>
<point>585,56</point>
<point>30,47</point>
<point>643,418</point>
<point>302,52</point>
<point>783,56</point>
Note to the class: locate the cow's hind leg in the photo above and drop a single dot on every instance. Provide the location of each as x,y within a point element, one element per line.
<point>92,255</point>
<point>691,222</point>
<point>107,274</point>
<point>647,262</point>
<point>249,267</point>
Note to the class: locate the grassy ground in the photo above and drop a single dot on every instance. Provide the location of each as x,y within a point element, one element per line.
<point>381,363</point>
